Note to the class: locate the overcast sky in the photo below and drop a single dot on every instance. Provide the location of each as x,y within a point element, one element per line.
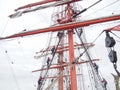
<point>16,58</point>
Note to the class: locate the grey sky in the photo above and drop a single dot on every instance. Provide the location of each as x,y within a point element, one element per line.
<point>16,65</point>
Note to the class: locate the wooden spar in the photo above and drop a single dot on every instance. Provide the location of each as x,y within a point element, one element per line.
<point>65,26</point>
<point>34,4</point>
<point>73,78</point>
<point>60,50</point>
<point>66,47</point>
<point>43,2</point>
<point>20,13</point>
<point>63,76</point>
<point>116,28</point>
<point>64,65</point>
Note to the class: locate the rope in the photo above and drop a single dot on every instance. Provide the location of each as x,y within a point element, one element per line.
<point>71,65</point>
<point>87,48</point>
<point>59,75</point>
<point>19,13</point>
<point>12,70</point>
<point>51,60</point>
<point>103,8</point>
<point>80,12</point>
<point>97,37</point>
<point>115,35</point>
<point>89,72</point>
<point>83,45</point>
<point>96,76</point>
<point>115,67</point>
<point>114,63</point>
<point>46,54</point>
<point>81,83</point>
<point>5,27</point>
<point>67,78</point>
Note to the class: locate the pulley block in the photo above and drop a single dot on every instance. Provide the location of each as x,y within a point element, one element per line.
<point>109,41</point>
<point>113,56</point>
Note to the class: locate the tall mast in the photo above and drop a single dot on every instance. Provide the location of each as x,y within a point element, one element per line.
<point>73,80</point>
<point>63,24</point>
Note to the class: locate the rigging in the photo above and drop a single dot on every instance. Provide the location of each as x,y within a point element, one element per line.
<point>67,25</point>
<point>12,70</point>
<point>112,54</point>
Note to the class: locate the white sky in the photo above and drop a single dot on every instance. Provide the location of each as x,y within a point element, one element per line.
<point>18,76</point>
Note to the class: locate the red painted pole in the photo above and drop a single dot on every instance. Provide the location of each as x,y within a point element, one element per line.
<point>63,65</point>
<point>73,78</point>
<point>65,26</point>
<point>35,4</point>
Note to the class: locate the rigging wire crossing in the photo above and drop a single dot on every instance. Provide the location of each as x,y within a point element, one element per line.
<point>50,62</point>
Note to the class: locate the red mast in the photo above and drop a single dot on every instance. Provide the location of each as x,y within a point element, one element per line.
<point>68,25</point>
<point>73,80</point>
